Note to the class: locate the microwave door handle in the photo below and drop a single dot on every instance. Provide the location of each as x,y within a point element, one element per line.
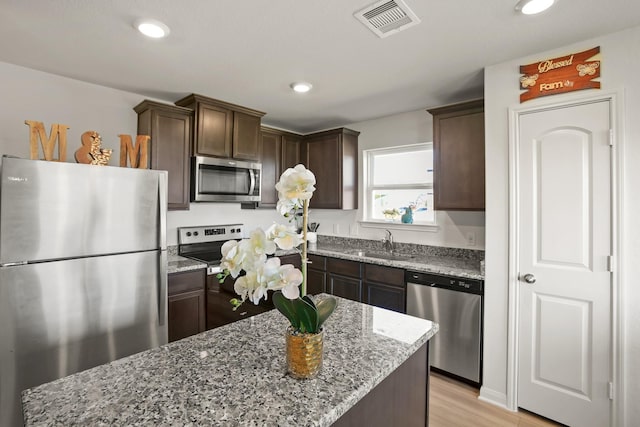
<point>252,177</point>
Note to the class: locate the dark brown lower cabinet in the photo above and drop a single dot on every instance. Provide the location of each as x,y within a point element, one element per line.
<point>345,287</point>
<point>219,309</point>
<point>316,274</point>
<point>344,278</point>
<point>372,284</point>
<point>186,304</point>
<point>401,399</point>
<point>385,287</point>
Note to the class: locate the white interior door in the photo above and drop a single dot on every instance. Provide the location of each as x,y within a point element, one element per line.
<point>564,244</point>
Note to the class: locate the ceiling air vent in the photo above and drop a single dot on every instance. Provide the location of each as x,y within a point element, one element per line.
<point>387,17</point>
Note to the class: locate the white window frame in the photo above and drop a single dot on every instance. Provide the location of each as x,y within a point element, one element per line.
<point>367,220</point>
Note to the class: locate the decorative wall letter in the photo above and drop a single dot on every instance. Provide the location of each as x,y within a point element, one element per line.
<point>91,152</point>
<point>138,155</point>
<point>37,132</point>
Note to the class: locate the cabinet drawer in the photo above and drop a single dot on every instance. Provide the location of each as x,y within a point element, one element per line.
<point>387,275</point>
<point>193,280</point>
<point>293,259</point>
<point>344,267</point>
<point>317,262</point>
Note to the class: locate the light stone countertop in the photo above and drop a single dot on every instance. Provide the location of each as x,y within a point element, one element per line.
<point>449,266</point>
<point>425,263</point>
<point>177,264</point>
<point>235,375</point>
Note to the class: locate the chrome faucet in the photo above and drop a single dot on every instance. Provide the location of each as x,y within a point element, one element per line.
<point>388,241</point>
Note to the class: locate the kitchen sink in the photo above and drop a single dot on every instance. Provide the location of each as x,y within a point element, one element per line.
<point>382,255</point>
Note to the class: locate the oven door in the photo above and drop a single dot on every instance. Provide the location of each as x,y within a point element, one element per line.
<point>225,180</point>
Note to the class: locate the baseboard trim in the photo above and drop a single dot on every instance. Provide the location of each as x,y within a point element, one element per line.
<point>493,397</point>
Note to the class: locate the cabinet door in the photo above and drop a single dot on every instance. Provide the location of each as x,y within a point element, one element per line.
<point>246,136</point>
<point>215,131</point>
<point>316,281</point>
<point>186,314</point>
<point>385,296</point>
<point>293,259</point>
<point>290,152</point>
<point>170,146</point>
<point>270,151</point>
<point>458,155</point>
<point>323,159</point>
<point>346,287</point>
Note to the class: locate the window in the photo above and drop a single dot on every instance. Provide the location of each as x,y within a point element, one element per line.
<point>399,185</point>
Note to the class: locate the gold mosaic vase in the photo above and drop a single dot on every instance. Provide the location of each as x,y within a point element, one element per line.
<point>304,354</point>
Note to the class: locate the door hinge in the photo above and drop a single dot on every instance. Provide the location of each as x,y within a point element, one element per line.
<point>611,137</point>
<point>610,261</point>
<point>610,387</point>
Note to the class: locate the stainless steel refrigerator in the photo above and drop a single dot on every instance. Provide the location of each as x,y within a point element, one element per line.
<point>82,270</point>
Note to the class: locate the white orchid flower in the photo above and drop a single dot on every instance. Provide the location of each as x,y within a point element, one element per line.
<point>290,278</point>
<point>296,184</point>
<point>286,206</point>
<point>284,236</point>
<point>232,257</point>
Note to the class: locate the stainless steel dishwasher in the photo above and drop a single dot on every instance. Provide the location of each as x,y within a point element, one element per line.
<point>456,305</point>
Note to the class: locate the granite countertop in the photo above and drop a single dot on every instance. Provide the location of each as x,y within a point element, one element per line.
<point>235,375</point>
<point>177,264</point>
<point>448,265</point>
<point>425,259</point>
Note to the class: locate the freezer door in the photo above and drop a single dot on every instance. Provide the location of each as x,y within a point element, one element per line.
<point>52,210</point>
<point>58,318</point>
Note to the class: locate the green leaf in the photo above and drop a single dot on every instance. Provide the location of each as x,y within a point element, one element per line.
<point>287,308</point>
<point>325,309</point>
<point>307,314</point>
<point>309,300</point>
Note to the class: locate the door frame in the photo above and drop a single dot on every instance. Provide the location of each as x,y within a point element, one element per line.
<point>617,333</point>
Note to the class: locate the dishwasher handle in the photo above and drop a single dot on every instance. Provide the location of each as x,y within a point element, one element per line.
<point>459,284</point>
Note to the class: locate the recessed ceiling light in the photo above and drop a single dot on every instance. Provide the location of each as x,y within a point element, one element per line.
<point>152,28</point>
<point>301,87</point>
<point>531,7</point>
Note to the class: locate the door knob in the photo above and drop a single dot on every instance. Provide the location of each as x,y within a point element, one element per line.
<point>529,278</point>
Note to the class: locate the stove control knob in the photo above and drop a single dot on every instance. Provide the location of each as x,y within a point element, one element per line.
<point>188,234</point>
<point>195,233</point>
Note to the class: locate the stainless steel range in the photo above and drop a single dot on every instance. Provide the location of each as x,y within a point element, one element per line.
<point>204,243</point>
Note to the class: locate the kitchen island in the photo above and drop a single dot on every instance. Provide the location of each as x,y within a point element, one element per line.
<point>375,372</point>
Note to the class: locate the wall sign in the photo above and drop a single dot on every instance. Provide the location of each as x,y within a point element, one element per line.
<point>559,75</point>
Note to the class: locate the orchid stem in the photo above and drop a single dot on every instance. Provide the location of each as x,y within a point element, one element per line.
<point>305,214</point>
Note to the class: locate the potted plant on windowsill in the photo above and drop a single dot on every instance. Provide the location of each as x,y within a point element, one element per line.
<point>305,334</point>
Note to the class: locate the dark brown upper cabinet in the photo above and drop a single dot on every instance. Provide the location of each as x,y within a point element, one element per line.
<point>333,157</point>
<point>170,130</point>
<point>222,129</point>
<point>279,150</point>
<point>458,156</point>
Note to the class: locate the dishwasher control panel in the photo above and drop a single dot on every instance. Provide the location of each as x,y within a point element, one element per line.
<point>472,286</point>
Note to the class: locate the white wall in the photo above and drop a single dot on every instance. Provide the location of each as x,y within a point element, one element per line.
<point>28,94</point>
<point>620,63</point>
<point>33,95</point>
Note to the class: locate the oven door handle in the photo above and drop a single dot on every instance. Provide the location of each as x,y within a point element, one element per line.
<point>252,177</point>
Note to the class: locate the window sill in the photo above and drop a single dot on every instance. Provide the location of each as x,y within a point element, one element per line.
<point>433,228</point>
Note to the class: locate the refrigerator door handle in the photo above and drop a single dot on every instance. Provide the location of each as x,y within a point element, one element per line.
<point>162,288</point>
<point>162,198</point>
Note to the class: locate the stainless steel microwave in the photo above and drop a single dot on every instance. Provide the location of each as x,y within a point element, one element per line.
<point>224,180</point>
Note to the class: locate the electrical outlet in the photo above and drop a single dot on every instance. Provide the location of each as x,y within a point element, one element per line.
<point>336,229</point>
<point>471,238</point>
<point>353,229</point>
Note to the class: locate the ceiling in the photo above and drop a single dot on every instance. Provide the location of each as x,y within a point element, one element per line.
<point>247,52</point>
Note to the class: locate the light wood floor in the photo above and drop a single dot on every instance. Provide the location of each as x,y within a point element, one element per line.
<point>454,404</point>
